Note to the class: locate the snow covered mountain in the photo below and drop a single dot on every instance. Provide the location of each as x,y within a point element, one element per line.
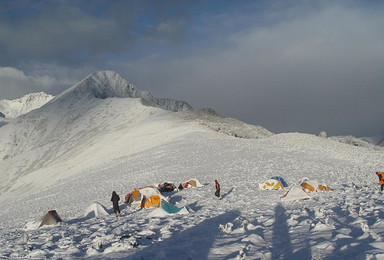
<point>108,84</point>
<point>16,107</point>
<point>92,123</point>
<point>104,135</point>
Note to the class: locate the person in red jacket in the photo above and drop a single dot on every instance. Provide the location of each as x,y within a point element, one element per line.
<point>381,179</point>
<point>217,192</point>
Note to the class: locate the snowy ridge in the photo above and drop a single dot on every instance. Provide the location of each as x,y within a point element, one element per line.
<point>16,107</point>
<point>351,140</point>
<point>107,84</point>
<point>227,125</point>
<point>376,139</point>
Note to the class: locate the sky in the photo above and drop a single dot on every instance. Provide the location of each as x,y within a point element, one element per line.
<point>287,65</point>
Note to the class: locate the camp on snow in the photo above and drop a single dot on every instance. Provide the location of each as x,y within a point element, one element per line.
<point>148,197</point>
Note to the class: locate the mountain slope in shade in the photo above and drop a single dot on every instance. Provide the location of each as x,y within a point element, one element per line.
<point>16,107</point>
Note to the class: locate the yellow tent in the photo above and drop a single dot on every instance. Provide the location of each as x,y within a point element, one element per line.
<point>271,184</point>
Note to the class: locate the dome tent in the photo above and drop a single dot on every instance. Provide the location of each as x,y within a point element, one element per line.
<point>271,184</point>
<point>280,179</point>
<point>95,210</point>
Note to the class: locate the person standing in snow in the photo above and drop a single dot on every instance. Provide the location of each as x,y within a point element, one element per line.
<point>115,200</point>
<point>381,179</point>
<point>217,192</point>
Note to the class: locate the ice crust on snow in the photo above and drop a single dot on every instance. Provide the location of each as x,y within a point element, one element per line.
<point>66,155</point>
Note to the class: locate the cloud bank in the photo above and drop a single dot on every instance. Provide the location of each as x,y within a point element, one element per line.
<point>313,72</point>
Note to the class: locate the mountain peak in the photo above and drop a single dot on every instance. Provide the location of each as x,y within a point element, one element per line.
<point>16,107</point>
<point>107,84</point>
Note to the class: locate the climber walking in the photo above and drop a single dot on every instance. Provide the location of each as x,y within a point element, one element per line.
<point>217,192</point>
<point>115,200</point>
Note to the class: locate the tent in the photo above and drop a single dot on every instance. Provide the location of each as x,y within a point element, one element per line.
<point>148,197</point>
<point>192,183</point>
<point>51,218</point>
<point>280,179</point>
<point>166,187</point>
<point>314,186</point>
<point>271,184</point>
<point>295,193</point>
<point>171,209</point>
<point>95,210</point>
<point>166,208</point>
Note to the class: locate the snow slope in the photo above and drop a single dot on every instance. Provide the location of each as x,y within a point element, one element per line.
<point>245,224</point>
<point>77,149</point>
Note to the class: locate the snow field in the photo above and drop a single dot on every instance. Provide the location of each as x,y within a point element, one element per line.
<point>246,224</point>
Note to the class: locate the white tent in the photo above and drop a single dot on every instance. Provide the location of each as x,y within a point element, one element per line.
<point>95,210</point>
<point>191,183</point>
<point>295,193</point>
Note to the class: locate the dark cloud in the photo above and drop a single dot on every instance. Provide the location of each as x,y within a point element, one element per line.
<point>316,71</point>
<point>79,32</point>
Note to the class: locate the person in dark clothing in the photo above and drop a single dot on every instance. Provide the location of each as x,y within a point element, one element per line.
<point>217,192</point>
<point>128,199</point>
<point>381,179</point>
<point>115,200</point>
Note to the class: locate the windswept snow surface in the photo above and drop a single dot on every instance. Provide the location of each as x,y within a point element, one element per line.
<point>78,148</point>
<point>245,224</point>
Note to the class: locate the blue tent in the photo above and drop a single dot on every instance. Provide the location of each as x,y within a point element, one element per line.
<point>169,208</point>
<point>280,180</point>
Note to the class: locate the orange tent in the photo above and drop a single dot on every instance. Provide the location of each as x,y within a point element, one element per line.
<point>314,186</point>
